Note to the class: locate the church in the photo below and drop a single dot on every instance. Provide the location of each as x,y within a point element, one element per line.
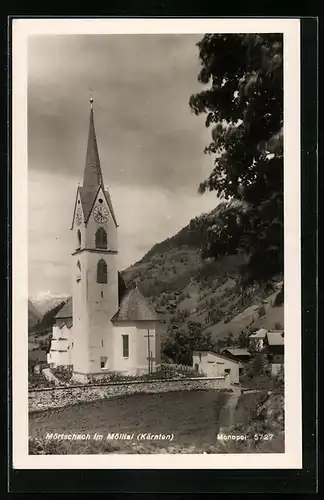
<point>105,326</point>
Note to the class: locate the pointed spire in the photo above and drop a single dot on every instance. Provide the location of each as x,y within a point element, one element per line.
<point>92,173</point>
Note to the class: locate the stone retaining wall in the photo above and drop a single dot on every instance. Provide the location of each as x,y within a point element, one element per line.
<point>44,399</point>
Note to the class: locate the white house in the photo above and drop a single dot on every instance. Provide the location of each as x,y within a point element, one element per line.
<point>257,339</point>
<point>62,339</point>
<point>109,327</point>
<point>213,364</point>
<point>274,347</point>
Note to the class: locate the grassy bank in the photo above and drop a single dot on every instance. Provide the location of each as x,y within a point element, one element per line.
<point>195,418</point>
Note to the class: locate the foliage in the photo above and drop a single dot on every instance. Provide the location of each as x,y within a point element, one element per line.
<point>219,345</point>
<point>45,344</point>
<point>43,446</point>
<point>279,299</point>
<point>244,102</point>
<point>177,348</point>
<point>180,344</point>
<point>63,373</point>
<point>243,340</point>
<point>185,237</point>
<point>38,381</point>
<point>257,366</point>
<point>45,325</point>
<point>229,342</point>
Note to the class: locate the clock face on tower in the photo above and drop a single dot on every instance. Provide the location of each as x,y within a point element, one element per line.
<point>78,217</point>
<point>100,214</point>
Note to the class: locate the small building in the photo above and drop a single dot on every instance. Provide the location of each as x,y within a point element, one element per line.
<point>212,364</point>
<point>237,354</point>
<point>274,347</point>
<point>256,340</point>
<point>62,341</point>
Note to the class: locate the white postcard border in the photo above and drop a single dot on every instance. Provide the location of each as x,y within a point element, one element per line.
<point>21,30</point>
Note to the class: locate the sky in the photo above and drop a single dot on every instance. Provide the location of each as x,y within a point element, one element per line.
<point>150,143</point>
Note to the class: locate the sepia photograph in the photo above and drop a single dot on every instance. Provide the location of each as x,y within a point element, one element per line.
<point>156,244</point>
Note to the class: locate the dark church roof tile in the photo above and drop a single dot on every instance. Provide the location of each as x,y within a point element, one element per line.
<point>66,311</point>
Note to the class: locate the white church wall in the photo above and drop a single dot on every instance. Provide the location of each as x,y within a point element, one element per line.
<point>61,347</point>
<point>102,304</point>
<point>101,346</point>
<point>137,360</point>
<point>94,304</point>
<point>120,363</point>
<point>75,242</point>
<point>143,329</point>
<point>80,353</point>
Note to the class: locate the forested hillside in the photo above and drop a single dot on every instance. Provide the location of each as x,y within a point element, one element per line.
<point>205,296</point>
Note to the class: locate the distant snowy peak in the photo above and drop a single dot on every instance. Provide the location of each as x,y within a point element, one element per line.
<point>44,301</point>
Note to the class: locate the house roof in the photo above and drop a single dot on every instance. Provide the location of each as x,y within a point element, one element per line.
<point>276,338</point>
<point>214,353</point>
<point>236,352</point>
<point>66,311</point>
<point>134,307</point>
<point>260,334</point>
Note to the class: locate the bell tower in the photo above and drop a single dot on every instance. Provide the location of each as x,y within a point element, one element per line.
<point>95,275</point>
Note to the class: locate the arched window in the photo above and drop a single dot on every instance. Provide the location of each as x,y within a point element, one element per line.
<point>101,238</point>
<point>101,271</point>
<point>78,276</point>
<point>79,239</point>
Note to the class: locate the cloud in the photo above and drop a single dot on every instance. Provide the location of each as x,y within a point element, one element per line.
<point>146,215</point>
<point>142,86</point>
<point>150,144</point>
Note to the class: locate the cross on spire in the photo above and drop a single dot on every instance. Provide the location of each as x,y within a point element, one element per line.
<point>91,98</point>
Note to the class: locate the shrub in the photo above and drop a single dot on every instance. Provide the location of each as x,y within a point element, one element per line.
<point>63,373</point>
<point>262,311</point>
<point>39,381</point>
<point>279,299</point>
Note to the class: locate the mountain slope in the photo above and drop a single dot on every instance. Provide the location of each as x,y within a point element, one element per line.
<point>33,315</point>
<point>185,288</point>
<point>45,322</point>
<point>47,300</point>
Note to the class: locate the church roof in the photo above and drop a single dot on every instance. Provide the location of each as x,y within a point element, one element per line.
<point>134,307</point>
<point>66,311</point>
<point>92,177</point>
<point>88,196</point>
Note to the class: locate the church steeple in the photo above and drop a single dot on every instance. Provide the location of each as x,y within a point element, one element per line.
<point>92,172</point>
<point>93,184</point>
